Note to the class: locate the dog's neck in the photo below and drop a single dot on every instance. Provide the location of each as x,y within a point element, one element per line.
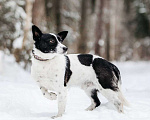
<point>38,55</point>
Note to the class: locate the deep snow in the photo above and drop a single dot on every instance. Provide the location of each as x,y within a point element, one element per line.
<point>21,99</point>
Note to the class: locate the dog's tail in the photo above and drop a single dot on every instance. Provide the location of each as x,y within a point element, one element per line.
<point>117,77</point>
<point>121,97</point>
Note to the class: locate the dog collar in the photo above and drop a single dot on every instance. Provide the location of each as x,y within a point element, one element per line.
<point>38,58</point>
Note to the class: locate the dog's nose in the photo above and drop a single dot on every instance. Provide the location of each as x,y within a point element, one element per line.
<point>65,48</point>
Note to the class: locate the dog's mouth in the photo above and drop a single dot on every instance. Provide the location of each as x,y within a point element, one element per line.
<point>51,51</point>
<point>64,52</point>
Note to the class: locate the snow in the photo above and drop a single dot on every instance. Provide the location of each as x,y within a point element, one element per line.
<point>142,10</point>
<point>101,42</point>
<point>21,99</point>
<point>18,42</point>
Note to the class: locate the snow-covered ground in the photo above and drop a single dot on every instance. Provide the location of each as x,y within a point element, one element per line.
<point>21,99</point>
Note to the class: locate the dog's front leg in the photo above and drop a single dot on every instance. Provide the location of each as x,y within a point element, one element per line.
<point>62,97</point>
<point>51,95</point>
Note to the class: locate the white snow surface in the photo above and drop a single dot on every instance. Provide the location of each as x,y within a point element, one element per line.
<point>21,98</point>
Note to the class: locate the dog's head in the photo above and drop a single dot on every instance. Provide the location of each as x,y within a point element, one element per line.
<point>50,43</point>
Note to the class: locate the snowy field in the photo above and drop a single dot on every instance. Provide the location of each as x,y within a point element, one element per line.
<point>21,99</point>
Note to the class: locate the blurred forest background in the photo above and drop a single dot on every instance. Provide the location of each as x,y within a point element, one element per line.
<point>114,29</point>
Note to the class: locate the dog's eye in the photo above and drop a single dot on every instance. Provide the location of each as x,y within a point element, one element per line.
<point>52,41</point>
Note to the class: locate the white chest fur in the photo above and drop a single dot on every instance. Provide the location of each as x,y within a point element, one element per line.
<point>49,74</point>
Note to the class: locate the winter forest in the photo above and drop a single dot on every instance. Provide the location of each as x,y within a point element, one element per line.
<point>117,30</point>
<point>114,29</point>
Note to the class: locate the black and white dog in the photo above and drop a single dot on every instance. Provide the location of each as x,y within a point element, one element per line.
<point>55,70</point>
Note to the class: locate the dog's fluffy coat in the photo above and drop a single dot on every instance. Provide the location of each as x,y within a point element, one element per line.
<point>58,71</point>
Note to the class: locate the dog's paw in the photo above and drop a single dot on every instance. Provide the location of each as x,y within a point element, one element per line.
<point>53,117</point>
<point>50,96</point>
<point>90,108</point>
<point>119,107</point>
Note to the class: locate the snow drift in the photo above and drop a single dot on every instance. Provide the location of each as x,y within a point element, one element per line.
<point>21,99</point>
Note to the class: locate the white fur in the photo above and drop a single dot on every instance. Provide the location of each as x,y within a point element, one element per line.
<point>59,48</point>
<point>46,74</point>
<point>50,76</point>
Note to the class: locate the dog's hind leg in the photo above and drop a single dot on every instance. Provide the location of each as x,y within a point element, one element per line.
<point>113,96</point>
<point>48,95</point>
<point>91,92</point>
<point>94,99</point>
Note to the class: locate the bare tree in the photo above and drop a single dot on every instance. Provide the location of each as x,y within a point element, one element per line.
<point>83,29</point>
<point>28,20</point>
<point>99,26</point>
<point>25,49</point>
<point>58,19</point>
<point>113,6</point>
<point>93,6</point>
<point>110,25</point>
<point>38,13</point>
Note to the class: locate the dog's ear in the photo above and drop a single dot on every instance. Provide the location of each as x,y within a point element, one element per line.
<point>62,35</point>
<point>36,33</point>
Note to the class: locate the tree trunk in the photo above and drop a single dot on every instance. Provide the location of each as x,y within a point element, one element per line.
<point>38,13</point>
<point>57,5</point>
<point>83,29</point>
<point>99,27</point>
<point>28,20</point>
<point>112,9</point>
<point>93,5</point>
<point>107,47</point>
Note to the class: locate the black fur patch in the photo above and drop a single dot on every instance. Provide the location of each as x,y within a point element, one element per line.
<point>85,59</point>
<point>44,45</point>
<point>116,71</point>
<point>95,98</point>
<point>104,71</point>
<point>68,72</point>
